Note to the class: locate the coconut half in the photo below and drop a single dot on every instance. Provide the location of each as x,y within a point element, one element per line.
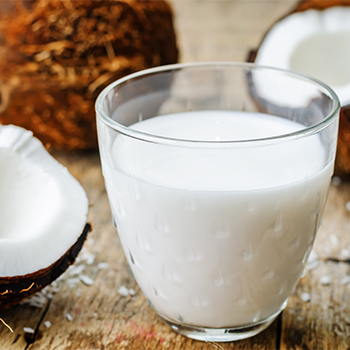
<point>43,214</point>
<point>314,39</point>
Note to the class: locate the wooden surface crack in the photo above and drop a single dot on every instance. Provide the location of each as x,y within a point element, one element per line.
<point>30,338</point>
<point>336,260</point>
<point>279,331</point>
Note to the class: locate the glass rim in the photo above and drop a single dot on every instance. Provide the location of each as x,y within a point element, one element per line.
<point>143,136</point>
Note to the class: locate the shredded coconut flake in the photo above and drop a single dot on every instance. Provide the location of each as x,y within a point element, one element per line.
<point>131,292</point>
<point>334,239</point>
<point>123,291</point>
<point>54,286</point>
<point>345,280</point>
<point>47,324</point>
<point>347,206</point>
<point>305,297</point>
<point>90,241</point>
<point>95,314</point>
<point>312,257</point>
<point>325,280</point>
<point>86,256</point>
<point>312,262</point>
<point>90,259</point>
<point>87,280</point>
<point>38,300</point>
<point>69,317</point>
<point>313,265</point>
<point>28,330</point>
<point>75,270</point>
<point>103,265</point>
<point>336,180</point>
<point>345,253</point>
<point>73,282</point>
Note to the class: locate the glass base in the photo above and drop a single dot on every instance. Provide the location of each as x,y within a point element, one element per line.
<point>225,334</point>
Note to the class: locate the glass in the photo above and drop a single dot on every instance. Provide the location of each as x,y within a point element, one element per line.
<point>217,176</point>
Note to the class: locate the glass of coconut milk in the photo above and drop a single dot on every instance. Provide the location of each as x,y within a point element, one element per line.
<point>217,177</point>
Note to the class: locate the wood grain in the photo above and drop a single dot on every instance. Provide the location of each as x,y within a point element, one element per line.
<point>324,322</point>
<point>97,317</point>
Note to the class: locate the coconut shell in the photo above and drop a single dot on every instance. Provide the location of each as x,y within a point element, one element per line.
<point>17,288</point>
<point>318,5</point>
<point>57,56</point>
<point>342,161</point>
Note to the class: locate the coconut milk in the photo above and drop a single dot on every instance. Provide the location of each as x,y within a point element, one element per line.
<point>216,235</point>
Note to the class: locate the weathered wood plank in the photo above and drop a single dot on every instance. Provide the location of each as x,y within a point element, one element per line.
<point>17,318</point>
<point>223,30</point>
<point>324,322</point>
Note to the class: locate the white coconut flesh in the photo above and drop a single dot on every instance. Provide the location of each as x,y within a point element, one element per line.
<point>43,208</point>
<point>315,43</point>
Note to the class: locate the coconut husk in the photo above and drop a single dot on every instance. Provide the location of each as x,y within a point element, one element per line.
<point>342,161</point>
<point>57,56</point>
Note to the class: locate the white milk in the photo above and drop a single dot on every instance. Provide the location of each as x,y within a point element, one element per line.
<point>217,236</point>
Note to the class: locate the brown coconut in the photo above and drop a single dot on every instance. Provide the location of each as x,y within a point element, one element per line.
<point>342,162</point>
<point>56,57</point>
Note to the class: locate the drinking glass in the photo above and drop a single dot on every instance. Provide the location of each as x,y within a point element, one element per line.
<point>217,177</point>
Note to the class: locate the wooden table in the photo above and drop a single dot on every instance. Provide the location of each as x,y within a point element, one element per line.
<point>98,317</point>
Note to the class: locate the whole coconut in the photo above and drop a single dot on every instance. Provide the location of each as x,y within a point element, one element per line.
<point>56,57</point>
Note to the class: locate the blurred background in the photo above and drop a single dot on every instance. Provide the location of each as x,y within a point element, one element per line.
<point>224,30</point>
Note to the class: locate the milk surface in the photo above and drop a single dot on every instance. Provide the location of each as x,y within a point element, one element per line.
<point>216,234</point>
